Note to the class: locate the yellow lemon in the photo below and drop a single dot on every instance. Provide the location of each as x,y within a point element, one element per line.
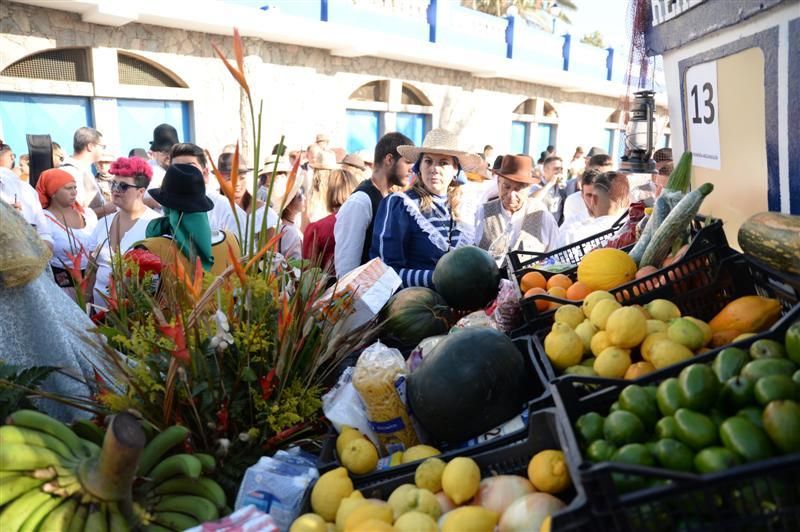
<point>546,524</point>
<point>309,523</point>
<point>704,327</point>
<point>417,500</point>
<point>685,332</point>
<point>346,436</point>
<point>415,522</point>
<point>461,479</point>
<point>548,472</point>
<point>663,309</point>
<point>372,525</point>
<point>599,342</point>
<point>626,327</point>
<point>346,507</point>
<point>569,314</point>
<point>592,299</point>
<point>359,456</point>
<point>470,519</point>
<point>665,353</point>
<point>654,326</point>
<point>563,346</point>
<point>743,336</point>
<point>601,311</point>
<point>613,362</point>
<point>329,491</point>
<point>429,474</point>
<point>586,331</point>
<point>397,500</point>
<point>649,342</point>
<point>369,510</point>
<point>419,452</point>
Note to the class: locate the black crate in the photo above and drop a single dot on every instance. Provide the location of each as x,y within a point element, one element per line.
<point>538,397</point>
<point>707,236</point>
<point>700,287</point>
<point>761,495</point>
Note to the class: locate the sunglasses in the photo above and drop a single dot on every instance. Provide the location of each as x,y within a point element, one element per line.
<point>122,187</point>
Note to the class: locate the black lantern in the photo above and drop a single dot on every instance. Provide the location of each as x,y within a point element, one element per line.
<point>639,135</point>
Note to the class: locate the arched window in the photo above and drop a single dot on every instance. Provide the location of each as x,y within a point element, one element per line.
<point>62,64</point>
<point>137,71</point>
<point>614,133</point>
<point>534,125</point>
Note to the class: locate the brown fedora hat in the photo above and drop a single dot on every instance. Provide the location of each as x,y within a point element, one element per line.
<point>516,168</point>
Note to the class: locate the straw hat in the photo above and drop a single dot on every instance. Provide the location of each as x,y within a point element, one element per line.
<point>441,142</point>
<point>269,164</point>
<point>352,159</point>
<point>324,160</point>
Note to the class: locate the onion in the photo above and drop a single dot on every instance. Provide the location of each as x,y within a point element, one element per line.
<point>527,513</point>
<point>445,503</point>
<point>497,493</point>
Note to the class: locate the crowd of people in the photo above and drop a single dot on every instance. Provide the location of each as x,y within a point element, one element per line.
<point>403,203</point>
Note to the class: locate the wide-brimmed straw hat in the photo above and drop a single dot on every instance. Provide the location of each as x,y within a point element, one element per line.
<point>324,160</point>
<point>352,159</point>
<point>516,168</point>
<point>269,164</point>
<point>440,142</point>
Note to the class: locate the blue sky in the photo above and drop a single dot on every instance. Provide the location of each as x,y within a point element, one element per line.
<point>609,17</point>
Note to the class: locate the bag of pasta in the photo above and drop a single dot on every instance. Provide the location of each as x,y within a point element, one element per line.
<point>23,255</point>
<point>379,379</point>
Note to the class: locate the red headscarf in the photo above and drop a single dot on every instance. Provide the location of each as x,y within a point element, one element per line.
<point>50,181</point>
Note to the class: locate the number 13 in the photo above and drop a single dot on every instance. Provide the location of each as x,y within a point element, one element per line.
<point>709,90</point>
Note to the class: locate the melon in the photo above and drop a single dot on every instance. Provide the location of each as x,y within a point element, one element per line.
<point>413,314</point>
<point>470,383</point>
<point>606,268</point>
<point>467,278</point>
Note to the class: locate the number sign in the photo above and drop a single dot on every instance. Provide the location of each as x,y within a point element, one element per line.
<point>702,115</point>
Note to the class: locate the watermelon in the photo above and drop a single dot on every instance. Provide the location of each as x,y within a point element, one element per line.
<point>470,383</point>
<point>412,315</point>
<point>467,278</point>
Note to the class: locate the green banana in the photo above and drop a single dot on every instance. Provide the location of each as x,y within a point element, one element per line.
<point>152,527</point>
<point>116,521</point>
<point>179,464</point>
<point>21,457</point>
<point>23,435</point>
<point>40,514</point>
<point>96,520</point>
<point>91,448</point>
<point>60,518</point>
<point>11,488</point>
<point>175,520</point>
<point>166,440</point>
<point>4,474</point>
<point>208,461</point>
<point>201,509</point>
<point>202,487</point>
<point>15,514</point>
<point>38,421</point>
<point>78,521</point>
<point>88,431</point>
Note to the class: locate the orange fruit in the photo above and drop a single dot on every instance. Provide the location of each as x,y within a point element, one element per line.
<point>578,291</point>
<point>559,279</point>
<point>532,280</point>
<point>541,304</point>
<point>639,369</point>
<point>559,292</point>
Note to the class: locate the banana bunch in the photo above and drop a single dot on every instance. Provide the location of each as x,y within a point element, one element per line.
<point>53,480</point>
<point>174,494</point>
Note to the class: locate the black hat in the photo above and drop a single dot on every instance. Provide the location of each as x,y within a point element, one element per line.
<point>183,189</point>
<point>164,138</point>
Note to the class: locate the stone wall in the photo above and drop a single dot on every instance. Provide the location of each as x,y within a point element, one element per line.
<point>304,90</point>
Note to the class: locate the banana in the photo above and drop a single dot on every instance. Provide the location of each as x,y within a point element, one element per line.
<point>201,509</point>
<point>166,440</point>
<point>175,520</point>
<point>39,514</point>
<point>23,435</point>
<point>4,474</point>
<point>179,464</point>
<point>96,520</point>
<point>202,487</point>
<point>11,488</point>
<point>156,528</point>
<point>116,521</point>
<point>38,421</point>
<point>21,457</point>
<point>15,514</point>
<point>208,461</point>
<point>91,448</point>
<point>78,520</point>
<point>88,431</point>
<point>60,518</point>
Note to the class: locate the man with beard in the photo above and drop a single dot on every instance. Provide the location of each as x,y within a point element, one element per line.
<point>354,221</point>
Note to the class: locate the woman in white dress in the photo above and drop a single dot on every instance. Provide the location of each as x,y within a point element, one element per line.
<point>119,232</point>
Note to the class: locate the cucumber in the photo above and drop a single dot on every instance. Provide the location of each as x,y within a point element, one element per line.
<point>674,226</point>
<point>661,209</point>
<point>681,175</point>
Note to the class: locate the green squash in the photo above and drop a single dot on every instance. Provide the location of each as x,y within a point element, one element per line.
<point>412,315</point>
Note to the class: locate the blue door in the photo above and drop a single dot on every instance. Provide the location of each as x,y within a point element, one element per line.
<point>413,126</point>
<point>546,136</point>
<point>138,119</point>
<point>58,116</point>
<point>363,128</point>
<point>520,137</point>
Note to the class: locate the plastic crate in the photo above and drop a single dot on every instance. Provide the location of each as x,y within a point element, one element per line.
<point>539,397</point>
<point>762,495</point>
<point>706,237</point>
<point>544,433</point>
<point>701,287</point>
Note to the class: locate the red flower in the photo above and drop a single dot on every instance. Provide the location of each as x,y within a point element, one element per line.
<point>222,417</point>
<point>147,262</point>
<point>176,333</point>
<point>268,383</point>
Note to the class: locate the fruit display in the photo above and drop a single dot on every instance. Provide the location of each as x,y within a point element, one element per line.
<point>467,278</point>
<point>51,479</point>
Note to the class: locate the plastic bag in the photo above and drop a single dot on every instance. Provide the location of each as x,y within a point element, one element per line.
<point>23,255</point>
<point>247,519</point>
<point>379,379</point>
<point>342,406</point>
<point>506,310</point>
<point>628,235</point>
<point>422,349</point>
<point>479,318</point>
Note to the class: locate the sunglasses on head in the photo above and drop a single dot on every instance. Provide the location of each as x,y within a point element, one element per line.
<point>122,187</point>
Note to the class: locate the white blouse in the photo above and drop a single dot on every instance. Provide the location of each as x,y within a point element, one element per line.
<point>69,240</point>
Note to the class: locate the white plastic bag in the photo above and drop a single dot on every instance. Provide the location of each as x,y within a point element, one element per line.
<point>342,406</point>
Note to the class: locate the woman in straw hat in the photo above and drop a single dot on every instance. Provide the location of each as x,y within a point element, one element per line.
<point>515,220</point>
<point>414,229</point>
<point>323,164</point>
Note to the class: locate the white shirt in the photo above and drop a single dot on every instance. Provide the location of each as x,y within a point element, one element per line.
<point>291,241</point>
<point>223,217</point>
<point>87,186</point>
<point>586,228</point>
<point>100,238</point>
<point>70,240</point>
<point>575,209</point>
<point>513,221</point>
<point>11,188</point>
<point>472,197</point>
<point>350,231</point>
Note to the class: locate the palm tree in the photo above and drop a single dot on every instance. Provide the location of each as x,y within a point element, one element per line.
<point>541,13</point>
